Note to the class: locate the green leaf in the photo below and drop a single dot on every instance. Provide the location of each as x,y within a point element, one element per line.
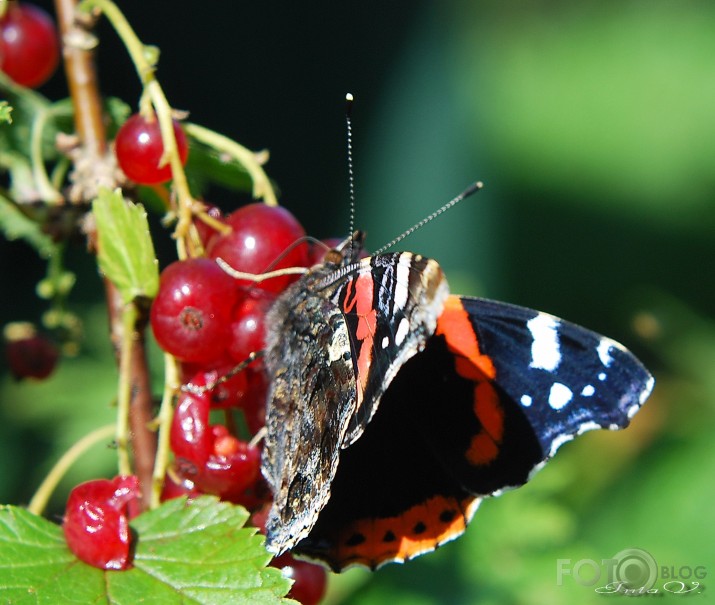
<point>186,552</point>
<point>15,225</point>
<point>126,252</point>
<point>5,112</point>
<point>206,165</point>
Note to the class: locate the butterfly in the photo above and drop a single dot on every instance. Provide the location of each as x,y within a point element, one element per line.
<point>395,407</point>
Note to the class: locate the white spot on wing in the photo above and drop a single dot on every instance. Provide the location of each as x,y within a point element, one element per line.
<point>559,395</point>
<point>402,280</point>
<point>385,341</point>
<point>526,400</point>
<point>402,329</point>
<point>545,352</point>
<point>602,376</point>
<point>604,351</point>
<point>588,391</point>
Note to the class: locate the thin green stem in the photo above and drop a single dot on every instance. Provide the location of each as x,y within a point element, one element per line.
<point>144,59</point>
<point>124,391</point>
<point>262,188</point>
<point>49,484</point>
<point>166,413</point>
<point>47,192</point>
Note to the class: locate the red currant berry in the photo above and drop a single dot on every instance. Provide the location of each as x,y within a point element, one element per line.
<point>230,476</point>
<point>249,323</point>
<point>192,310</point>
<point>139,150</point>
<point>95,523</point>
<point>260,235</point>
<point>309,580</point>
<point>190,435</point>
<point>172,490</point>
<point>31,356</point>
<point>227,392</point>
<point>29,51</point>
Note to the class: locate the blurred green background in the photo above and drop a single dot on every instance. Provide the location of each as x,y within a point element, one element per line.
<point>592,125</point>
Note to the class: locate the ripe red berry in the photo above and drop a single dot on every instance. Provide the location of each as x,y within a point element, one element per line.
<point>172,490</point>
<point>228,476</point>
<point>260,235</point>
<point>96,526</point>
<point>248,324</point>
<point>190,435</point>
<point>29,51</point>
<point>309,580</point>
<point>139,149</point>
<point>31,356</point>
<point>227,392</point>
<point>192,310</point>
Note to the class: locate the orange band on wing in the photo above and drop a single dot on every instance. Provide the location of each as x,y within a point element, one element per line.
<point>470,363</point>
<point>359,297</point>
<point>456,327</point>
<point>421,528</point>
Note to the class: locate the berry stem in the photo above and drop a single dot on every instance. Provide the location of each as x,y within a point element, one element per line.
<point>124,395</point>
<point>49,484</point>
<point>144,58</point>
<point>47,192</point>
<point>166,413</point>
<point>258,278</point>
<point>251,161</point>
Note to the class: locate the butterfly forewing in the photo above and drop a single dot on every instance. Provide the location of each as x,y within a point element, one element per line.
<point>390,305</point>
<point>564,378</point>
<point>338,337</point>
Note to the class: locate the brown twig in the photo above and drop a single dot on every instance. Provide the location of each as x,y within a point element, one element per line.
<point>82,81</point>
<point>86,98</point>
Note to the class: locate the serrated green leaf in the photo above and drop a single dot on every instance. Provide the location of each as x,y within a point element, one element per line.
<point>186,552</point>
<point>15,225</point>
<point>125,250</point>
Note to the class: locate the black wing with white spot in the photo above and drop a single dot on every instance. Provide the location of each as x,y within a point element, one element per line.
<point>565,378</point>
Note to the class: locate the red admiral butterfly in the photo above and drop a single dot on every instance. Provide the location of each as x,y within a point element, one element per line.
<point>396,407</point>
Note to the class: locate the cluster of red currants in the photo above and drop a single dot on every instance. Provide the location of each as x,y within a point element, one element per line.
<point>211,323</point>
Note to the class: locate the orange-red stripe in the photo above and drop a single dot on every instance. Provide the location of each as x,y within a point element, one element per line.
<point>470,363</point>
<point>359,298</point>
<point>456,327</point>
<point>419,529</point>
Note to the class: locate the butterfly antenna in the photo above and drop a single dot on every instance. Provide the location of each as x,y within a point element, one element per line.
<point>351,177</point>
<point>473,188</point>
